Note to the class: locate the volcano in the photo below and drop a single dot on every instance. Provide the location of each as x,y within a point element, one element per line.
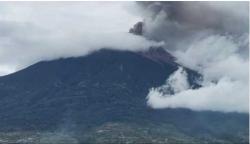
<point>101,98</point>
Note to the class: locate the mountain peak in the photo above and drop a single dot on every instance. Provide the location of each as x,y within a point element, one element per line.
<point>158,54</point>
<point>137,29</point>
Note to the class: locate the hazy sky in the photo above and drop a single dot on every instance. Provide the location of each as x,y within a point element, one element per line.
<point>31,32</point>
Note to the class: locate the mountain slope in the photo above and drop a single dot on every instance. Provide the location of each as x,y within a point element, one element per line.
<point>108,89</point>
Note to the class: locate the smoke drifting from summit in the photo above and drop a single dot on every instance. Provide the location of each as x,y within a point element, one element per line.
<point>211,38</point>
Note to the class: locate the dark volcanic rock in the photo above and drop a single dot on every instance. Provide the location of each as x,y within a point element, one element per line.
<point>159,55</point>
<point>137,28</point>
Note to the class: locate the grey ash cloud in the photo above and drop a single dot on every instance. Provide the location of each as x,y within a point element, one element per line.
<point>211,38</point>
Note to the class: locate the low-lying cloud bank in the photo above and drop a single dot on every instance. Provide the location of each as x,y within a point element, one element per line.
<point>211,38</point>
<point>31,32</point>
<point>225,95</point>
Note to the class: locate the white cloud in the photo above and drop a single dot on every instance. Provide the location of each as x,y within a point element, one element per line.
<point>31,32</point>
<point>216,48</point>
<point>210,49</point>
<point>177,82</point>
<point>226,78</point>
<point>226,96</point>
<point>5,69</point>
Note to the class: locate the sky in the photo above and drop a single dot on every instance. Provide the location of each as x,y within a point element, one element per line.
<point>208,37</point>
<point>31,32</point>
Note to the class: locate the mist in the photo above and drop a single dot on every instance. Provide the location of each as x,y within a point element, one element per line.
<point>210,38</point>
<point>38,31</point>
